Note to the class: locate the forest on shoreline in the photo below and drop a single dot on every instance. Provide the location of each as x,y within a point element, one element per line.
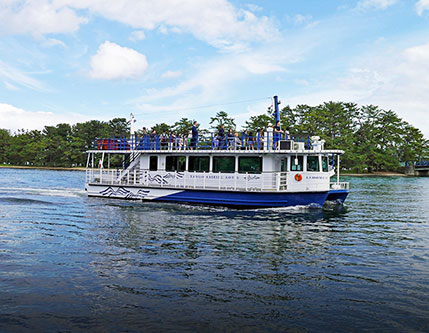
<point>373,139</point>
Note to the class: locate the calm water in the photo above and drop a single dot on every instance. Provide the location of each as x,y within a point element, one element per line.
<point>72,263</point>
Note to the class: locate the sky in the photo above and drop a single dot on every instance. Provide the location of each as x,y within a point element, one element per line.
<point>77,60</point>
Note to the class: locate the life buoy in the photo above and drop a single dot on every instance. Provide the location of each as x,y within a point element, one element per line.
<point>298,177</point>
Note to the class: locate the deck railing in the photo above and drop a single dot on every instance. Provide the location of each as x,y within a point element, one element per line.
<point>339,186</point>
<point>212,142</point>
<point>266,181</point>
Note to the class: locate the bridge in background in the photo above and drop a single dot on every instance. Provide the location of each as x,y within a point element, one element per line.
<point>420,169</point>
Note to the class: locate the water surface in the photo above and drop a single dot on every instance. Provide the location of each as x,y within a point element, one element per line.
<point>72,263</point>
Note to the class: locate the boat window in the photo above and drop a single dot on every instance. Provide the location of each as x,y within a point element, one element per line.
<point>181,163</point>
<point>325,164</point>
<point>297,163</point>
<point>224,164</point>
<point>175,163</point>
<point>250,164</point>
<point>199,163</point>
<point>153,163</point>
<point>313,163</point>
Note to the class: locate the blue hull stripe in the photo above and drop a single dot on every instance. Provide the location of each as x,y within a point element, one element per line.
<point>248,199</point>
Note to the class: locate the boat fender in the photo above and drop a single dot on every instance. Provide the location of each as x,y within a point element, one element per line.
<point>298,177</point>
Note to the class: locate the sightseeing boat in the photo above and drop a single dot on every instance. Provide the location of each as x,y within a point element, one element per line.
<point>276,170</point>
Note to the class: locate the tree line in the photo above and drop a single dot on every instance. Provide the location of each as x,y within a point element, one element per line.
<point>373,139</point>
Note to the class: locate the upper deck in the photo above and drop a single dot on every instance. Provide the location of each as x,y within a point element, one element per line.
<point>269,143</point>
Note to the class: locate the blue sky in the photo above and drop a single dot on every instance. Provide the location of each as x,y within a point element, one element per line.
<point>76,60</point>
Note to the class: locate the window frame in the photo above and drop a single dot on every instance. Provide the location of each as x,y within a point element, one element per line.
<point>174,166</point>
<point>326,158</point>
<point>240,169</point>
<point>199,167</point>
<point>153,158</point>
<point>312,158</point>
<point>223,157</point>
<point>292,163</point>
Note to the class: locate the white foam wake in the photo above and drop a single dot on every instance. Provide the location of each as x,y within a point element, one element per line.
<point>59,192</point>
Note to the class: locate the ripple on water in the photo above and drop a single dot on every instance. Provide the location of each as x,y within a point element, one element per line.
<point>68,262</point>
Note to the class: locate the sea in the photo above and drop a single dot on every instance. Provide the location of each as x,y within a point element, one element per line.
<point>69,263</point>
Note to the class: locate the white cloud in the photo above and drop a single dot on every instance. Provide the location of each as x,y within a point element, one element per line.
<point>421,6</point>
<point>19,77</point>
<point>171,74</point>
<point>301,19</point>
<point>113,61</point>
<point>214,77</point>
<point>53,42</point>
<point>395,79</point>
<point>137,35</point>
<point>38,17</point>
<point>212,81</point>
<point>216,22</point>
<point>10,86</point>
<point>14,118</point>
<point>254,8</point>
<point>377,4</point>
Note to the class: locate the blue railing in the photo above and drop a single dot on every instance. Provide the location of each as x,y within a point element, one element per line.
<point>212,142</point>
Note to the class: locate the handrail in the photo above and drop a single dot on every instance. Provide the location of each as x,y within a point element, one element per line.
<point>184,143</point>
<point>339,185</point>
<point>266,181</point>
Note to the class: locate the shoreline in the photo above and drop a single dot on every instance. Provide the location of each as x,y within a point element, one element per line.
<point>42,168</point>
<point>374,174</point>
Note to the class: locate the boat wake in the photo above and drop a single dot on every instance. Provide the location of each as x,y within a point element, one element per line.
<point>23,201</point>
<point>299,208</point>
<point>65,192</point>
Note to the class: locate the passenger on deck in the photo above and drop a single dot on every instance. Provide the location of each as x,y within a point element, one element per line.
<point>163,140</point>
<point>221,136</point>
<point>194,138</point>
<point>260,139</point>
<point>143,141</point>
<point>277,133</point>
<point>230,137</point>
<point>237,142</point>
<point>287,134</point>
<point>180,142</point>
<point>250,141</point>
<point>172,141</point>
<point>153,140</point>
<point>244,138</point>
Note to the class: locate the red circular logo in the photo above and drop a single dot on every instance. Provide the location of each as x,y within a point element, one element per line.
<point>298,177</point>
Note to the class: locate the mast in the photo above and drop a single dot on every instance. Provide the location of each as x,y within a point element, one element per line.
<point>276,110</point>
